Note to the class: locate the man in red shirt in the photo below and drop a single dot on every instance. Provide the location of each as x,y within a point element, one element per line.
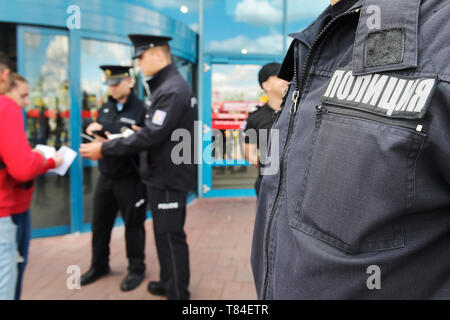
<point>19,165</point>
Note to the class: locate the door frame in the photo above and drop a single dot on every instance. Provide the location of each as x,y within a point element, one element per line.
<point>205,181</point>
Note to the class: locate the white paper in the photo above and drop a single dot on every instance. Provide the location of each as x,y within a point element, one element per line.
<point>125,134</point>
<point>68,156</point>
<point>48,151</point>
<point>113,136</point>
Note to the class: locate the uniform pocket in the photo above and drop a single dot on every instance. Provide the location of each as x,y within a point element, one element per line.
<point>359,179</point>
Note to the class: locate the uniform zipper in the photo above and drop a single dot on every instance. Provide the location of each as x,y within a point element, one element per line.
<point>299,84</point>
<point>414,125</point>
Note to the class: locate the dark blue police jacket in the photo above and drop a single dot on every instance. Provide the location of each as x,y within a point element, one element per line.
<point>114,121</point>
<point>173,109</point>
<point>360,205</point>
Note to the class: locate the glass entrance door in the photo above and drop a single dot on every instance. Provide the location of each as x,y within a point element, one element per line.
<point>234,92</point>
<point>43,59</point>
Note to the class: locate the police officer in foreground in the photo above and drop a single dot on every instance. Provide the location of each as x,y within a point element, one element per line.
<point>119,186</point>
<point>360,206</point>
<point>168,181</point>
<point>264,116</point>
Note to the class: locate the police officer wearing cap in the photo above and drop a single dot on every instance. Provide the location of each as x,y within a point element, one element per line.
<point>172,107</point>
<point>119,186</point>
<point>264,116</point>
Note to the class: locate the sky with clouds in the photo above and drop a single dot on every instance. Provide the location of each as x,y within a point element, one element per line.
<point>256,25</point>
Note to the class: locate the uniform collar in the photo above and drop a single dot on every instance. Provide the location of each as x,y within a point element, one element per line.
<point>130,100</point>
<point>342,6</point>
<point>161,76</point>
<point>390,42</point>
<point>395,15</point>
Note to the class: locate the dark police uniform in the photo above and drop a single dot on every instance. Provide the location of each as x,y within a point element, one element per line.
<point>119,186</point>
<point>262,118</point>
<point>360,207</point>
<point>172,107</point>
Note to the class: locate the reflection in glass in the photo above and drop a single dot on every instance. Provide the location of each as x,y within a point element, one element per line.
<point>234,177</point>
<point>46,67</point>
<point>235,93</point>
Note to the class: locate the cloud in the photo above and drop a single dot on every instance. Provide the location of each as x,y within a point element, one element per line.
<point>93,87</point>
<point>270,12</point>
<point>55,71</point>
<point>239,73</point>
<point>257,12</point>
<point>194,26</point>
<point>272,43</point>
<point>237,81</point>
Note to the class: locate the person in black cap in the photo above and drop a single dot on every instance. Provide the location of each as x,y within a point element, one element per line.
<point>264,116</point>
<point>119,186</point>
<point>168,180</point>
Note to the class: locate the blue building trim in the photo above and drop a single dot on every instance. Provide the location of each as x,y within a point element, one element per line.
<point>50,232</point>
<point>76,170</point>
<point>230,193</point>
<point>111,18</point>
<point>201,100</point>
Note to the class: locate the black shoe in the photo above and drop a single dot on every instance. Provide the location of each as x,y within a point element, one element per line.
<point>93,275</point>
<point>131,281</point>
<point>156,288</point>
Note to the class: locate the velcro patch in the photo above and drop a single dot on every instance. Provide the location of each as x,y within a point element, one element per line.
<point>392,96</point>
<point>384,47</point>
<point>158,117</point>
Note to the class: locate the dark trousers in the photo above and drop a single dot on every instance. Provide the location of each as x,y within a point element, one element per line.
<point>123,194</point>
<point>258,185</point>
<point>23,223</point>
<point>169,214</point>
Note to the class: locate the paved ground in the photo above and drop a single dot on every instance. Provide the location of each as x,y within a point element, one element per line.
<point>219,235</point>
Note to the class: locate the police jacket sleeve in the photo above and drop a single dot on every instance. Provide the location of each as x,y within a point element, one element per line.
<point>140,120</point>
<point>167,112</point>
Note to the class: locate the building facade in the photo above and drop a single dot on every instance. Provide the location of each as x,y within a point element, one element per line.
<point>218,45</point>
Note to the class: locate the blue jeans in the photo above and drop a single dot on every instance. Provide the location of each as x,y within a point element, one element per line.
<point>23,223</point>
<point>8,259</point>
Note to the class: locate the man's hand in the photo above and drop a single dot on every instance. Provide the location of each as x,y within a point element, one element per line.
<point>58,160</point>
<point>94,126</point>
<point>135,127</point>
<point>92,150</point>
<point>100,138</point>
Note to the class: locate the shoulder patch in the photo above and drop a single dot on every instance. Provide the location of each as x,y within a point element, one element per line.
<point>158,117</point>
<point>386,95</point>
